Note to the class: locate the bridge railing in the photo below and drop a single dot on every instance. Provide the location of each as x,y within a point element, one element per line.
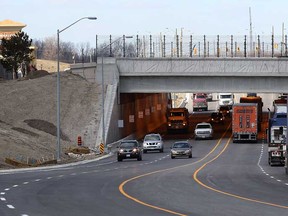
<point>177,46</point>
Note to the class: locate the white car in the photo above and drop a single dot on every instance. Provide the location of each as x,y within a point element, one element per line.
<point>153,142</point>
<point>203,130</point>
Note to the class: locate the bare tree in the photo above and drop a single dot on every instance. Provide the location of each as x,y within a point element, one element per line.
<point>50,48</point>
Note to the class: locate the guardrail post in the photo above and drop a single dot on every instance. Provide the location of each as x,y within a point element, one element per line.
<point>137,46</point>
<point>150,46</point>
<point>272,43</point>
<point>164,46</point>
<point>218,48</point>
<point>204,46</point>
<point>245,46</point>
<point>259,46</point>
<point>231,45</point>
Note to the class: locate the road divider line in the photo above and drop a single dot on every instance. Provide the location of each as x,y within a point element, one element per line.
<point>226,193</point>
<point>121,186</point>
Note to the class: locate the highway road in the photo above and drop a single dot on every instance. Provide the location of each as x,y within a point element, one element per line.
<point>220,179</point>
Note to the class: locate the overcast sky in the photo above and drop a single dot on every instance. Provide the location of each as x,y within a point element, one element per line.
<point>132,17</point>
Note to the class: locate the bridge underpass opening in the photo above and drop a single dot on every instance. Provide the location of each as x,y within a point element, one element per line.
<point>143,113</point>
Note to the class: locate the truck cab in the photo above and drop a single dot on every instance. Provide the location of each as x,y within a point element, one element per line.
<point>200,102</point>
<point>226,99</point>
<point>177,119</point>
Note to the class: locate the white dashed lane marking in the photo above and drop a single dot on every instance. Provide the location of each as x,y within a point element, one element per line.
<point>262,169</point>
<point>72,174</point>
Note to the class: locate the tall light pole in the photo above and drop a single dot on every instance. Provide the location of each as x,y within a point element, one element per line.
<point>103,94</point>
<point>58,149</point>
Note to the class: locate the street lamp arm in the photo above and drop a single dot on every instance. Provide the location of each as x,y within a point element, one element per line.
<point>91,18</point>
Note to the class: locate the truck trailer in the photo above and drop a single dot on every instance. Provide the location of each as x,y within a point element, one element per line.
<point>255,99</point>
<point>245,122</point>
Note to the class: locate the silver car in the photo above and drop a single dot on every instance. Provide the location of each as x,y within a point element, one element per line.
<point>203,131</point>
<point>181,149</point>
<point>153,142</point>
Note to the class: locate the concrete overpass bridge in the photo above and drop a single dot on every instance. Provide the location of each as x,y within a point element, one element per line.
<point>203,75</point>
<point>155,75</point>
<point>126,78</point>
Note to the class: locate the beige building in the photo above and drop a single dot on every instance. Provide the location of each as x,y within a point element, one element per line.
<point>9,28</point>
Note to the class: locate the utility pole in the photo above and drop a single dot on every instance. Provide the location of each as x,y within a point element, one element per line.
<point>251,34</point>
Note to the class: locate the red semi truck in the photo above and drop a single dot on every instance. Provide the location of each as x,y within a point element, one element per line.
<point>245,122</point>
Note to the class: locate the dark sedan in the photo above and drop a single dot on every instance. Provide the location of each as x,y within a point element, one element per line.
<point>181,149</point>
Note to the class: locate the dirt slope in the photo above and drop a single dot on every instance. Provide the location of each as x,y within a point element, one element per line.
<point>28,115</point>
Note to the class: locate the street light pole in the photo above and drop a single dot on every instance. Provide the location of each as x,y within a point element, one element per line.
<point>58,149</point>
<point>103,93</point>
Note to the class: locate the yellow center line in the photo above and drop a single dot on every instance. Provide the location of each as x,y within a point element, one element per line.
<point>121,186</point>
<point>226,193</point>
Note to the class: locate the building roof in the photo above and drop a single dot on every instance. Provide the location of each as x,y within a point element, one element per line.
<point>11,23</point>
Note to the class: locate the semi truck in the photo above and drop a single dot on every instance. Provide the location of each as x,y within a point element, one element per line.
<point>277,132</point>
<point>177,119</point>
<point>276,139</point>
<point>258,100</point>
<point>200,102</point>
<point>244,122</point>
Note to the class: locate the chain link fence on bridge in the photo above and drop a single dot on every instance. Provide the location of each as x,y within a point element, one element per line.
<point>161,46</point>
<point>176,46</point>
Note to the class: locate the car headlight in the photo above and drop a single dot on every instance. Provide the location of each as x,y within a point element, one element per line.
<point>187,151</point>
<point>121,150</point>
<point>173,152</point>
<point>135,150</point>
